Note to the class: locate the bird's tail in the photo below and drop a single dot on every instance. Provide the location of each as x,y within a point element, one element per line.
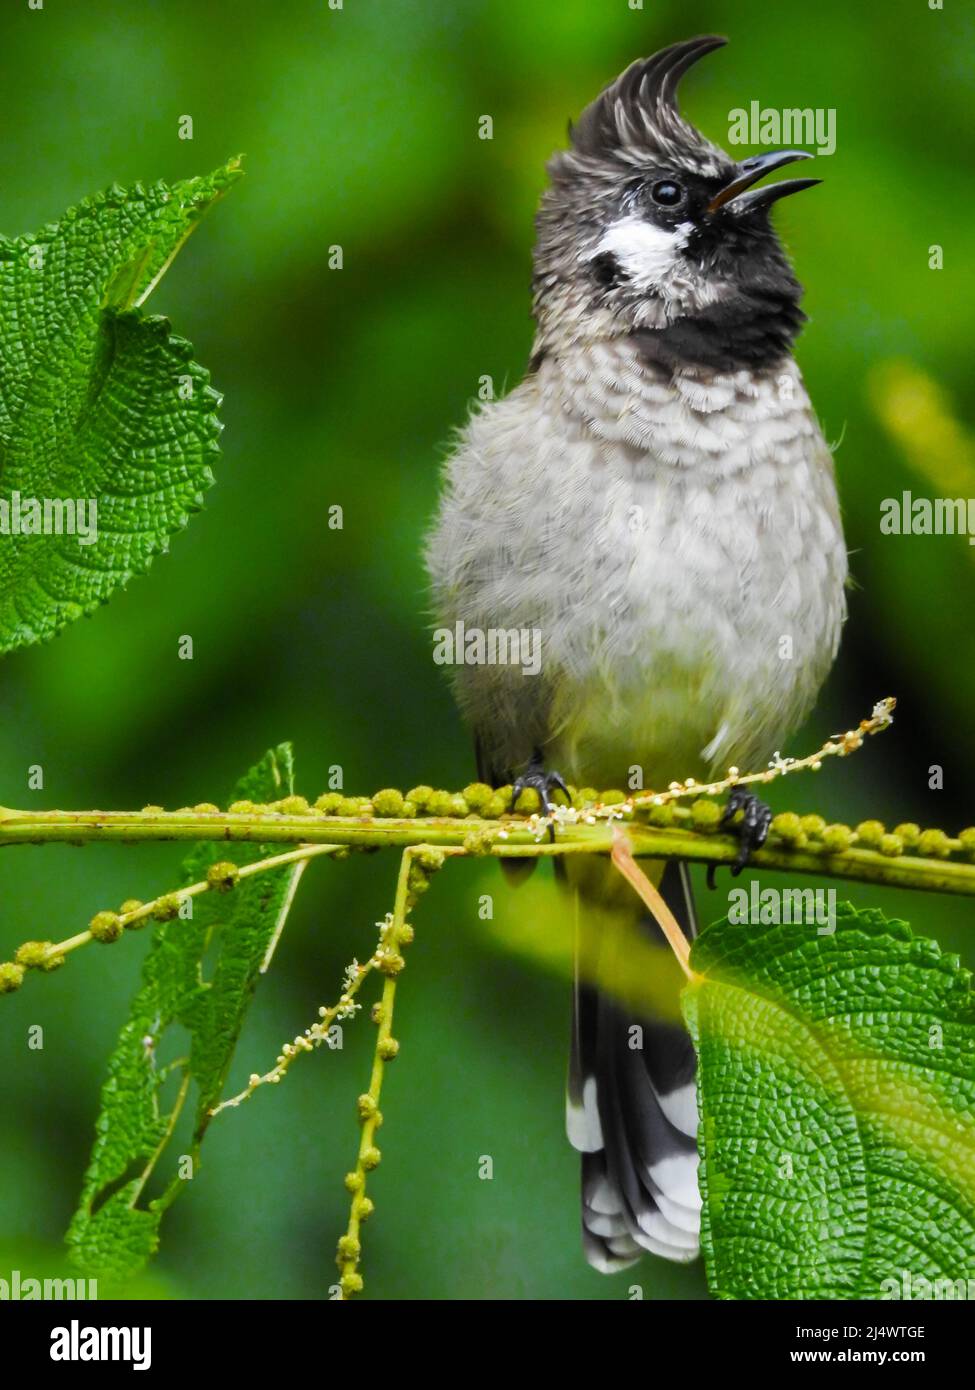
<point>631,1111</point>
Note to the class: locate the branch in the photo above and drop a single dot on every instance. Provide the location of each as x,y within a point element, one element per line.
<point>417,866</point>
<point>108,927</point>
<point>293,820</point>
<point>476,822</point>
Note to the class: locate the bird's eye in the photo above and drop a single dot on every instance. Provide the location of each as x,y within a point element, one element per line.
<point>667,193</point>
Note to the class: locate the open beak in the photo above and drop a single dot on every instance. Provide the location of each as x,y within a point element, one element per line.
<point>754,169</point>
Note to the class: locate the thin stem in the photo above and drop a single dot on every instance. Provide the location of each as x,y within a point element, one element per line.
<point>311,1038</point>
<point>350,1243</point>
<point>622,857</point>
<point>174,1114</point>
<point>130,919</point>
<point>509,838</point>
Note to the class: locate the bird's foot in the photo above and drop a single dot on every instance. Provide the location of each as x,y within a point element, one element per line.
<point>752,830</point>
<point>543,782</point>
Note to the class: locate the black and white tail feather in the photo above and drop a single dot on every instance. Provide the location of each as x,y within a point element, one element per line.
<point>631,1111</point>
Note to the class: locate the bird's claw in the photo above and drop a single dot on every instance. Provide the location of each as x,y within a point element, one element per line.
<point>752,830</point>
<point>541,781</point>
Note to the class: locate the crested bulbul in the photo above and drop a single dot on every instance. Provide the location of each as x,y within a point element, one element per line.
<point>657,500</point>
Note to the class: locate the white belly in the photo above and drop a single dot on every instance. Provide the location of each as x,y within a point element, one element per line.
<point>680,550</point>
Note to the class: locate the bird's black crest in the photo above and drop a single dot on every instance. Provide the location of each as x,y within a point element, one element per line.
<point>637,116</point>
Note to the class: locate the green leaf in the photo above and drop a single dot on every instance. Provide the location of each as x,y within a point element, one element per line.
<point>116,1226</point>
<point>836,1085</point>
<point>98,403</point>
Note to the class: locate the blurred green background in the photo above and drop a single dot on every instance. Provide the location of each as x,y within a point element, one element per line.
<point>359,128</point>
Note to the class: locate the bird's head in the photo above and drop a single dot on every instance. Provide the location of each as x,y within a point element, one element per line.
<point>649,228</point>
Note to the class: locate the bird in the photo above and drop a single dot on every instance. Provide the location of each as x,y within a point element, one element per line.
<point>657,501</point>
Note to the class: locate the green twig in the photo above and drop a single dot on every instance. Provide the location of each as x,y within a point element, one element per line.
<point>867,853</point>
<point>109,927</point>
<point>416,866</point>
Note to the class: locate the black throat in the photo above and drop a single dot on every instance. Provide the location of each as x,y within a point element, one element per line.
<point>748,331</point>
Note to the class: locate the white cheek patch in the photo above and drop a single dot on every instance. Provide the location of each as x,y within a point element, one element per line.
<point>648,255</point>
